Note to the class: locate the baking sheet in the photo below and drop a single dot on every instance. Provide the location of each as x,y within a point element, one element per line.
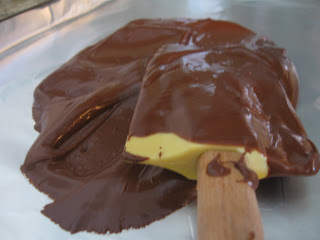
<point>10,8</point>
<point>289,206</point>
<point>31,23</point>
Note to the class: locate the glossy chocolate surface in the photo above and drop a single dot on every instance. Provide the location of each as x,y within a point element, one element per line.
<point>222,84</point>
<point>83,112</point>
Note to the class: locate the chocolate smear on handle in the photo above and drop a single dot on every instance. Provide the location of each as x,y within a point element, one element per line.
<point>216,169</point>
<point>249,176</point>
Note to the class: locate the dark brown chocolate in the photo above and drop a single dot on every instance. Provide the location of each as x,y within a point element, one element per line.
<point>249,176</point>
<point>216,169</point>
<point>251,236</point>
<point>83,111</point>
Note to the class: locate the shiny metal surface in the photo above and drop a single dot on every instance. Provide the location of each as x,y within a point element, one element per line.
<point>289,206</point>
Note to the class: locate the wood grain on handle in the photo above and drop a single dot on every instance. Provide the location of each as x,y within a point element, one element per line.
<point>227,206</point>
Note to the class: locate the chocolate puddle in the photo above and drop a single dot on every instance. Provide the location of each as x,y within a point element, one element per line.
<point>83,112</point>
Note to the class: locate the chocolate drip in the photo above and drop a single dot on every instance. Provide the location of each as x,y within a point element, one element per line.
<point>249,176</point>
<point>216,169</point>
<point>251,236</point>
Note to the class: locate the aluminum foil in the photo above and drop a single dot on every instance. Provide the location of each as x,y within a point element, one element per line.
<point>289,206</point>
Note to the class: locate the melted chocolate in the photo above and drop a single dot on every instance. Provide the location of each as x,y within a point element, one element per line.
<point>216,169</point>
<point>226,85</point>
<point>251,236</point>
<point>83,111</point>
<point>249,176</point>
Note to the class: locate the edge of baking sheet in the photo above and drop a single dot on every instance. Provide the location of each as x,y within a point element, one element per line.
<point>26,25</point>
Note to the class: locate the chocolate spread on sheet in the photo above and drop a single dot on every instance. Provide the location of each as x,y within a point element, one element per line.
<point>83,112</point>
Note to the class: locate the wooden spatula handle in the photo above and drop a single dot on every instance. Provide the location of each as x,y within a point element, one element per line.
<point>227,206</point>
